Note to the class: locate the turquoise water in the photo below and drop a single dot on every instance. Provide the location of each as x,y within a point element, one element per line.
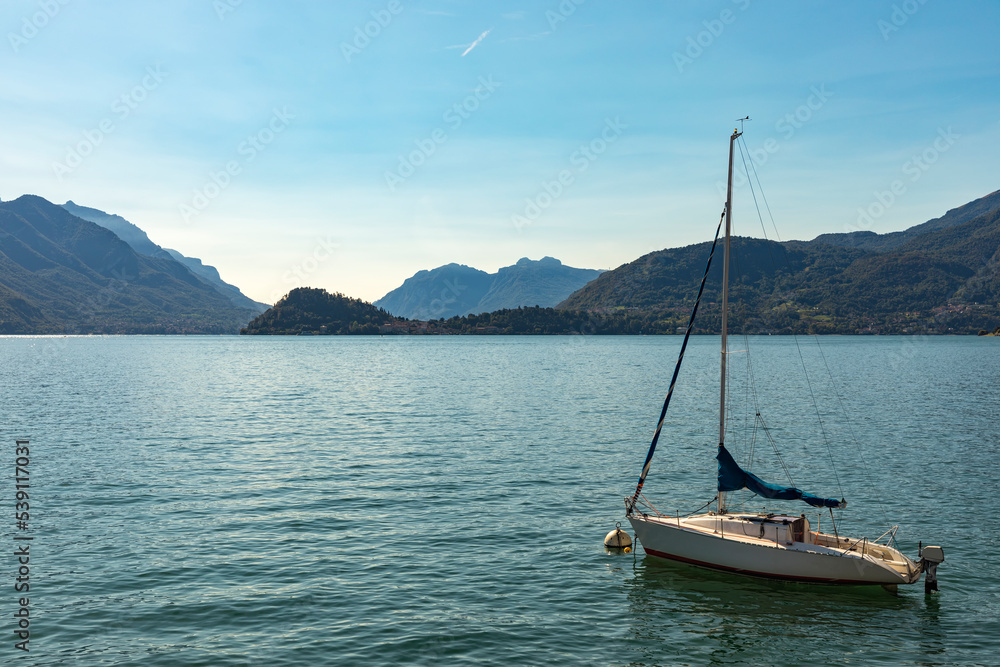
<point>443,500</point>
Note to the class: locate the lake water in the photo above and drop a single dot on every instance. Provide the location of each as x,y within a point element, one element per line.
<point>443,500</point>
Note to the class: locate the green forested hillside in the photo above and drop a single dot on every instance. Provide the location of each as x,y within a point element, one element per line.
<point>945,279</point>
<point>308,310</point>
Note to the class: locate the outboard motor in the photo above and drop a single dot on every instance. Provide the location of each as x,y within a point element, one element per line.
<point>930,558</point>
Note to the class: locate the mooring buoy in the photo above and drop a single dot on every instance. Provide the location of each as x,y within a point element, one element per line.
<point>618,539</point>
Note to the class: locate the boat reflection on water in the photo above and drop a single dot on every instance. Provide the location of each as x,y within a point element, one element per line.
<point>678,614</point>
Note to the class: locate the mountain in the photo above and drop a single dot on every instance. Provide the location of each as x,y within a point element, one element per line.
<point>527,283</point>
<point>307,310</point>
<point>62,274</point>
<point>456,289</point>
<point>124,229</point>
<point>943,275</point>
<point>867,240</point>
<point>664,279</point>
<point>141,243</point>
<point>449,290</point>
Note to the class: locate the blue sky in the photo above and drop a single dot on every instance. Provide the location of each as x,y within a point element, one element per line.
<point>347,145</point>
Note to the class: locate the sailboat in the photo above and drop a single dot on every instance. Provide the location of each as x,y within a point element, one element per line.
<point>778,545</point>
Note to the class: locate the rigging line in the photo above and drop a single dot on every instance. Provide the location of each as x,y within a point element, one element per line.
<point>734,259</point>
<point>702,507</point>
<point>795,339</point>
<point>731,423</point>
<point>746,399</point>
<point>752,387</point>
<point>751,384</point>
<point>774,446</point>
<point>753,380</point>
<point>730,398</point>
<point>764,197</point>
<point>763,229</point>
<point>673,381</point>
<point>750,183</point>
<point>749,387</point>
<point>749,432</point>
<point>738,441</point>
<point>857,443</point>
<point>753,432</point>
<point>822,426</point>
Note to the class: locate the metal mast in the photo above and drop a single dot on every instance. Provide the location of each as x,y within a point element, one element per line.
<point>725,306</point>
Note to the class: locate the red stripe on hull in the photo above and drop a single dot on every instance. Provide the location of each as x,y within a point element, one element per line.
<point>765,575</point>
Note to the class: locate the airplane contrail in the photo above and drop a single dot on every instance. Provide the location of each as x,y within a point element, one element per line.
<point>476,43</point>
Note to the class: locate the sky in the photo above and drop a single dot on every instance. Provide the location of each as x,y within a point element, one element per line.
<point>347,145</point>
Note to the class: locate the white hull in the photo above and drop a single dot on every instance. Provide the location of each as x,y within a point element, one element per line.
<point>773,547</point>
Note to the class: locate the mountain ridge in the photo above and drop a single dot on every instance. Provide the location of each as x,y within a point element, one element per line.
<point>868,240</point>
<point>456,289</point>
<point>943,275</point>
<point>62,274</point>
<point>141,243</point>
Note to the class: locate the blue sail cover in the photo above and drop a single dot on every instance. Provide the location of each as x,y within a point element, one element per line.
<point>733,478</point>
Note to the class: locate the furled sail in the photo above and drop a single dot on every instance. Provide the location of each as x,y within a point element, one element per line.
<point>732,478</point>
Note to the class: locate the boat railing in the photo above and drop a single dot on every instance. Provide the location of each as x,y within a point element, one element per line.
<point>643,501</point>
<point>864,543</point>
<point>892,536</point>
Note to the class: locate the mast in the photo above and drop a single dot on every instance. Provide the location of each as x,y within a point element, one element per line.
<point>725,308</point>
